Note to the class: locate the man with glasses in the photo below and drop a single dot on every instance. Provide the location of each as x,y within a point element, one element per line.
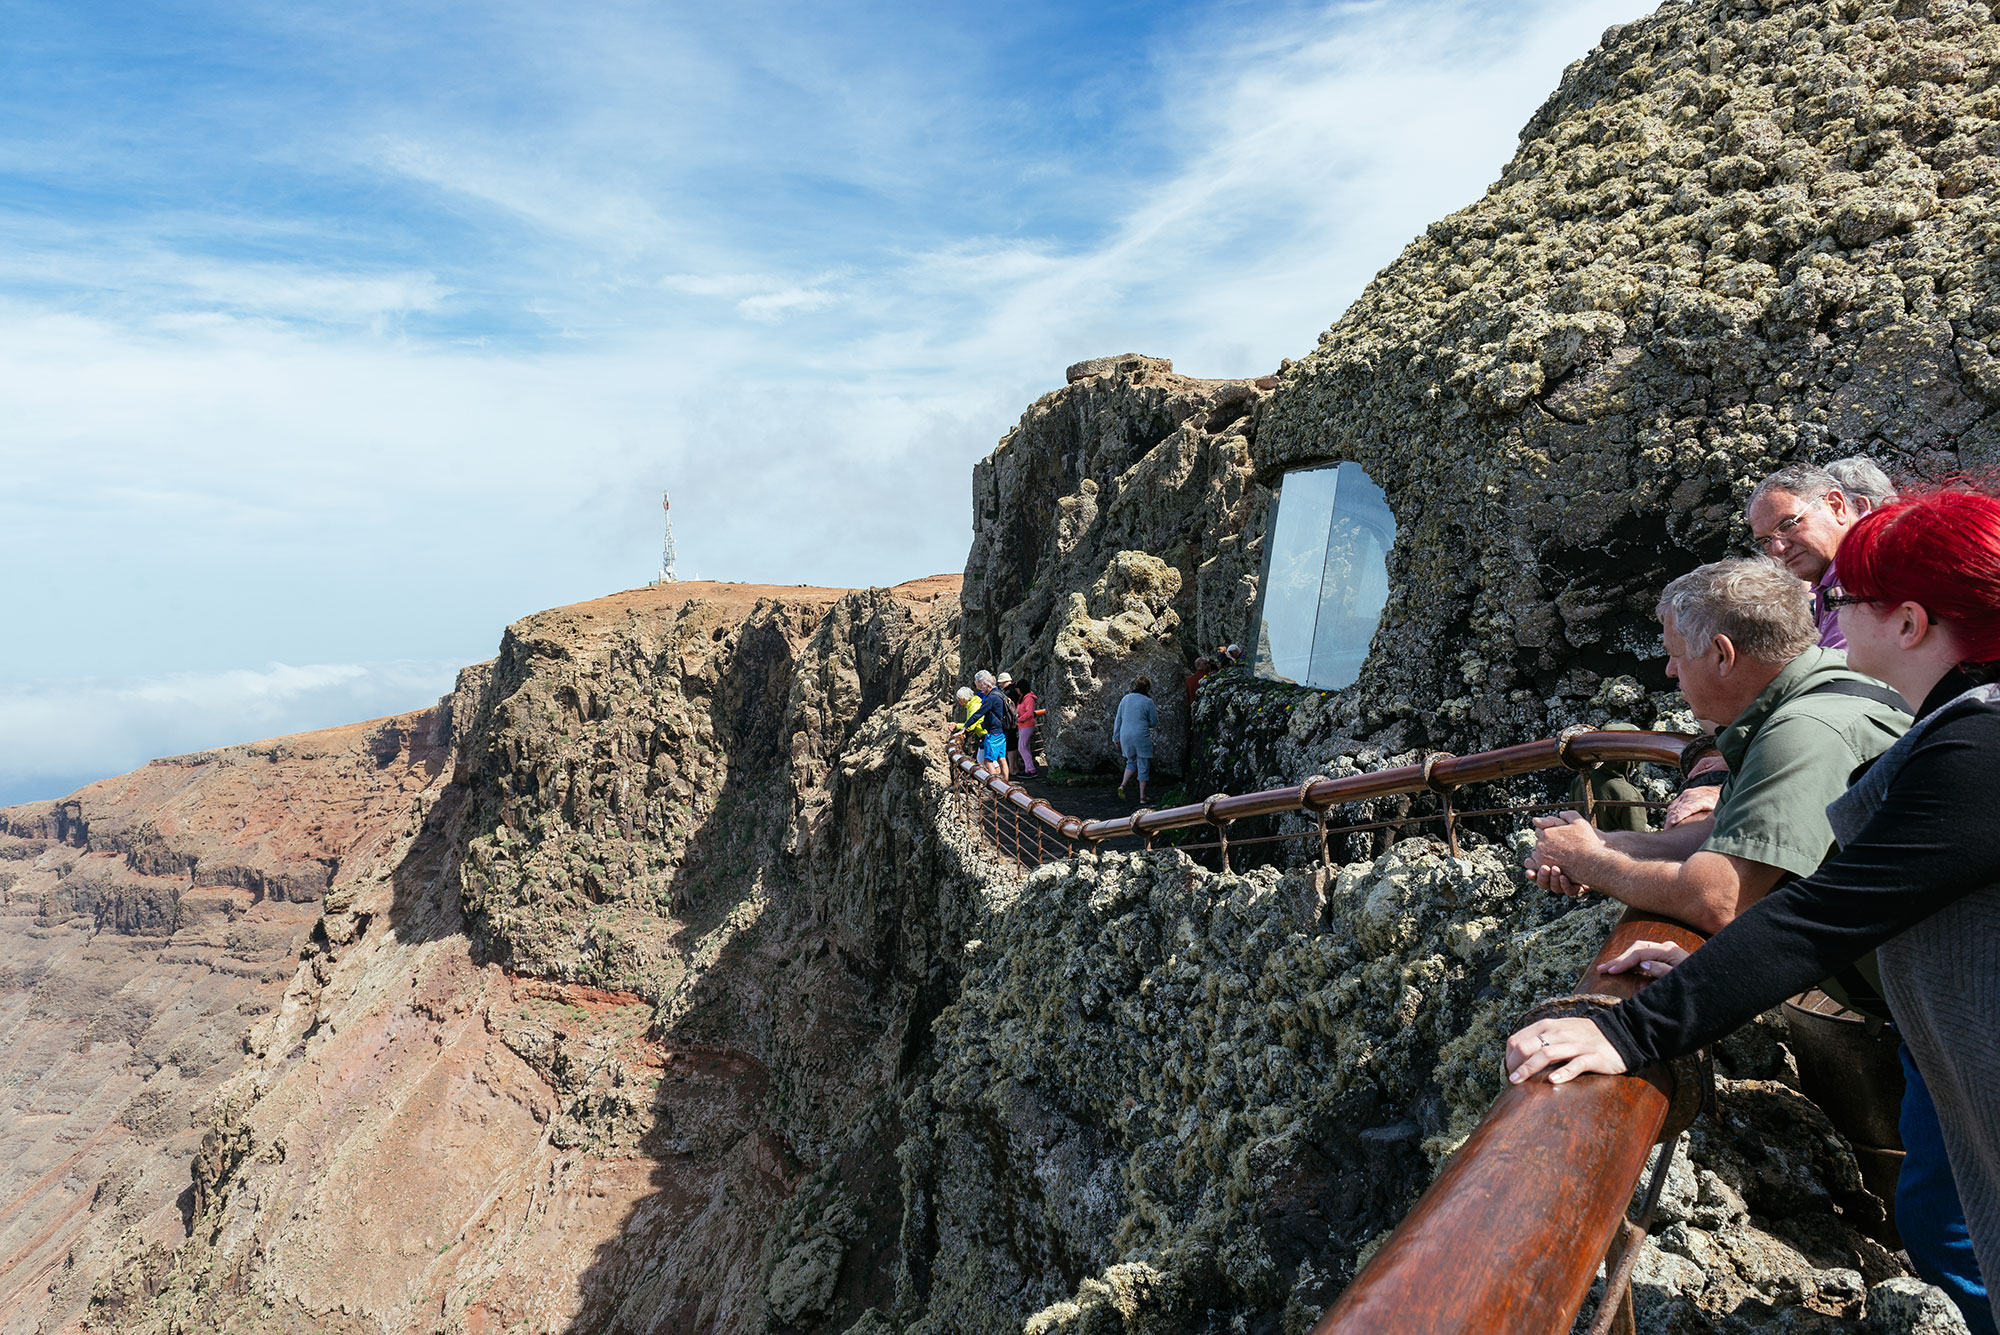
<point>1798,516</point>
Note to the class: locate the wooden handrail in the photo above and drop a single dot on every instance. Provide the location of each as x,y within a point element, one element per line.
<point>1574,750</point>
<point>1508,1237</point>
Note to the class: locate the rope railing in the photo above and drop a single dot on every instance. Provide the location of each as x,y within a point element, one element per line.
<point>1509,1236</point>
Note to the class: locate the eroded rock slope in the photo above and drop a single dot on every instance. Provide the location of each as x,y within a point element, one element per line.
<point>145,923</point>
<point>616,1040</point>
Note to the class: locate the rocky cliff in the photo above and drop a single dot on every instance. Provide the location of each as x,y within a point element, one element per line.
<point>145,924</point>
<point>1737,235</point>
<point>1113,536</point>
<point>613,1035</point>
<point>650,983</point>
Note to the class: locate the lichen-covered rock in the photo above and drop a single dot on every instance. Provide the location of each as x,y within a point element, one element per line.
<point>1908,1306</point>
<point>1128,461</point>
<point>1167,1099</point>
<point>1125,628</point>
<point>1737,235</point>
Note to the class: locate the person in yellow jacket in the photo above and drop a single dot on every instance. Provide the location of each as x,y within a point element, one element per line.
<point>968,710</point>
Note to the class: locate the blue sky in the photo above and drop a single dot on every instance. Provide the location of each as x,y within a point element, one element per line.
<point>333,338</point>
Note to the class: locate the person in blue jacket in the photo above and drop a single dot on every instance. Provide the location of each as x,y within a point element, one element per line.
<point>995,713</point>
<point>1133,728</point>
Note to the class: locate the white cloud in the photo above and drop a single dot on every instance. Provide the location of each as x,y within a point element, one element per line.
<point>59,734</point>
<point>804,294</point>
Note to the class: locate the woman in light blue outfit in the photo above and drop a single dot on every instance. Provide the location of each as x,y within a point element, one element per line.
<point>1133,727</point>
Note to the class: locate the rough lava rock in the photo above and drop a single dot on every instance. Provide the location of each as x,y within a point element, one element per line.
<point>1131,482</point>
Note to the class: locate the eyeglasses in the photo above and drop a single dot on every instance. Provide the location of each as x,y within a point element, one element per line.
<point>1760,545</point>
<point>1837,597</point>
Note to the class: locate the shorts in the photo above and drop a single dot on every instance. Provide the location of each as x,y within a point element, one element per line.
<point>1142,765</point>
<point>995,746</point>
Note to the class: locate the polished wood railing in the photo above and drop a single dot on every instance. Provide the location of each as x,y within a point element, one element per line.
<point>1440,773</point>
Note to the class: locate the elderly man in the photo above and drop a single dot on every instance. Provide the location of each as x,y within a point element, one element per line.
<point>1794,725</point>
<point>1862,481</point>
<point>991,715</point>
<point>1792,722</point>
<point>1798,515</point>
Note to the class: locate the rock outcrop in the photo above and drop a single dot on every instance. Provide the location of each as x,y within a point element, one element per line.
<point>1112,536</point>
<point>613,1040</point>
<point>1738,234</point>
<point>1246,1080</point>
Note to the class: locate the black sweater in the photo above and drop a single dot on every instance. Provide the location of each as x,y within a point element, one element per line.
<point>1935,838</point>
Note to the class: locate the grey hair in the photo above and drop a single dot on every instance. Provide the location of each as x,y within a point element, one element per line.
<point>1862,479</point>
<point>1762,607</point>
<point>1808,482</point>
<point>982,675</point>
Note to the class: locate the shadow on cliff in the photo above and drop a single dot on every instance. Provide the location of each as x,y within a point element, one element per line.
<point>773,1148</point>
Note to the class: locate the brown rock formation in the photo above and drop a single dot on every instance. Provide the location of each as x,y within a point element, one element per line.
<point>611,1039</point>
<point>145,923</point>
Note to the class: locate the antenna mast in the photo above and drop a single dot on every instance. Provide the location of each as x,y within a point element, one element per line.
<point>667,549</point>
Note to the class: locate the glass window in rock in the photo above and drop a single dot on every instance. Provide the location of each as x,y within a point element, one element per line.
<point>1326,577</point>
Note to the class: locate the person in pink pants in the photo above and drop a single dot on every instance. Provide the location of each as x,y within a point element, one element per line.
<point>1024,724</point>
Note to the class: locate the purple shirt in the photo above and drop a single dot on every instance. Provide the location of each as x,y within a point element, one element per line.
<point>1827,617</point>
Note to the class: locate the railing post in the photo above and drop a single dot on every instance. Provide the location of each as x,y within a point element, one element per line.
<point>1305,804</point>
<point>1443,790</point>
<point>1563,740</point>
<point>1221,827</point>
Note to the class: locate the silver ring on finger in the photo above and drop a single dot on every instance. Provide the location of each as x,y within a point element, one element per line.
<point>1544,1038</point>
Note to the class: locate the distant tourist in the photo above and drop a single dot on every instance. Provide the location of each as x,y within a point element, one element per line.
<point>969,733</point>
<point>1202,668</point>
<point>1012,697</point>
<point>1798,516</point>
<point>1133,727</point>
<point>1862,481</point>
<point>1916,880</point>
<point>1024,724</point>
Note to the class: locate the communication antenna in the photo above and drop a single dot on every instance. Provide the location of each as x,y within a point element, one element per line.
<point>667,575</point>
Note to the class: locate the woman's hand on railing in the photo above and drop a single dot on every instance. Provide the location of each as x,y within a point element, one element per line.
<point>1651,958</point>
<point>1565,1048</point>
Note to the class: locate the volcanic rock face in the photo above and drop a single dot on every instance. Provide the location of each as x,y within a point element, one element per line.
<point>613,1040</point>
<point>1737,235</point>
<point>1109,540</point>
<point>1246,1080</point>
<point>148,922</point>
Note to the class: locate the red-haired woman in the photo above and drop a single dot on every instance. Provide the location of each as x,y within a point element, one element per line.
<point>1918,871</point>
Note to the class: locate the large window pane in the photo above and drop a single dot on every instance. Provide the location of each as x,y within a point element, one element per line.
<point>1326,577</point>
